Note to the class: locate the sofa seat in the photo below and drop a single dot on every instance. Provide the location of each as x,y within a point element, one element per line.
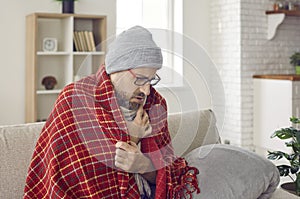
<point>17,142</point>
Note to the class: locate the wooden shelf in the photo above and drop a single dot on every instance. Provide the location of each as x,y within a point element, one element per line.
<point>295,13</point>
<point>65,64</point>
<point>291,77</point>
<point>276,17</point>
<point>42,92</point>
<point>52,53</point>
<point>89,53</point>
<point>74,53</point>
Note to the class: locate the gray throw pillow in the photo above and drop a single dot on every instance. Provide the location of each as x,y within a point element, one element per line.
<point>228,172</point>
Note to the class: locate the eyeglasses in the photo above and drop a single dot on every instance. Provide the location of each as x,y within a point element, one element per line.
<point>141,81</point>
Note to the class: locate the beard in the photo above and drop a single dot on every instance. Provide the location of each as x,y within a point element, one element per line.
<point>123,99</point>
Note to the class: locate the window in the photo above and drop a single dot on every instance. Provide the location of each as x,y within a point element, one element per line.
<point>162,15</point>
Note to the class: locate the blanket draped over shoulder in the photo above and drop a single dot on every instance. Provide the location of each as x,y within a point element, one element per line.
<point>74,155</point>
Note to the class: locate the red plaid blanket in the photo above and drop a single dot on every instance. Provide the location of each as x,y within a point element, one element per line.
<point>74,155</point>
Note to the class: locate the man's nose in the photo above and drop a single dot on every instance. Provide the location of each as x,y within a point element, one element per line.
<point>145,89</point>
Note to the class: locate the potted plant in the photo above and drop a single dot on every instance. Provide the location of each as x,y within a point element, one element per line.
<point>292,135</point>
<point>295,61</point>
<point>67,6</point>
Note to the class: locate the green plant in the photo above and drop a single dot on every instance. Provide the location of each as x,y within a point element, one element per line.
<point>293,136</point>
<point>295,59</point>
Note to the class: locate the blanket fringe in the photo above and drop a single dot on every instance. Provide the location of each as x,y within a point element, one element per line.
<point>188,184</point>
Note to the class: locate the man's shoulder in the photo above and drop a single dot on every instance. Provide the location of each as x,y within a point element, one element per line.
<point>154,93</point>
<point>157,97</point>
<point>82,87</point>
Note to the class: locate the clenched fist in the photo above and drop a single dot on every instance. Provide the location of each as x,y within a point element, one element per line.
<point>130,159</point>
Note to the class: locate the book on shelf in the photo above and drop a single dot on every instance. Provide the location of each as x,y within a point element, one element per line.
<point>89,45</point>
<point>76,42</point>
<point>84,41</point>
<point>91,37</point>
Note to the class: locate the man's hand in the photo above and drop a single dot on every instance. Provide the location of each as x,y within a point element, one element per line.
<point>140,127</point>
<point>130,159</point>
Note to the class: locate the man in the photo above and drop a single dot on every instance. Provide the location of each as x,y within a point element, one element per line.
<point>107,136</point>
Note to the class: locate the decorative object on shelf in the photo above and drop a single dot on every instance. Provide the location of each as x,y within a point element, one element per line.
<point>278,5</point>
<point>67,6</point>
<point>293,136</point>
<point>49,82</point>
<point>49,44</point>
<point>285,5</point>
<point>291,6</point>
<point>297,6</point>
<point>295,61</point>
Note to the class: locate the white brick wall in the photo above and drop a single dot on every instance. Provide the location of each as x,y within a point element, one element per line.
<point>240,49</point>
<point>226,53</point>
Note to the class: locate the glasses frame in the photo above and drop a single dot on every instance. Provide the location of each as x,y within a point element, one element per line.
<point>146,79</point>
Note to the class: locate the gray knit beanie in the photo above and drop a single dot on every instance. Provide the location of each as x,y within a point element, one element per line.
<point>133,48</point>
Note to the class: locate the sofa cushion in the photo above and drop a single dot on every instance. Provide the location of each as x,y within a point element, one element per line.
<point>282,194</point>
<point>189,130</point>
<point>17,143</point>
<point>230,172</point>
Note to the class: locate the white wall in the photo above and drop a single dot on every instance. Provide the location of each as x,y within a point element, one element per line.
<point>202,73</point>
<point>12,51</point>
<point>12,38</point>
<point>226,50</point>
<point>240,49</point>
<point>197,44</point>
<point>196,21</point>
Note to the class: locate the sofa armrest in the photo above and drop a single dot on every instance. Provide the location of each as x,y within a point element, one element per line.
<point>189,130</point>
<point>17,144</point>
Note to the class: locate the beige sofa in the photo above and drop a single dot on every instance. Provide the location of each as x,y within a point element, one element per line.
<point>17,143</point>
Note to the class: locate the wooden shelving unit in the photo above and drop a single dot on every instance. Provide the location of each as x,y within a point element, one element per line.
<point>66,64</point>
<point>276,17</point>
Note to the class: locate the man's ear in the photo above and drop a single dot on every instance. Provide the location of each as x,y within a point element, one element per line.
<point>112,77</point>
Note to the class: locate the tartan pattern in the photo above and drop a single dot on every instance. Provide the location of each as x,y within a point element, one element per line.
<point>74,155</point>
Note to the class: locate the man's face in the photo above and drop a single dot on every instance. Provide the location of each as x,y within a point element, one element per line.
<point>128,94</point>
